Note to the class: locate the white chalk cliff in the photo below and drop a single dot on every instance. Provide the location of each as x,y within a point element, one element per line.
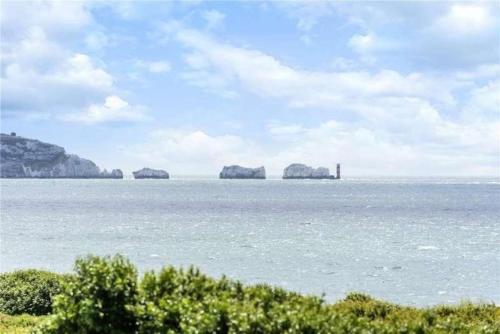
<point>238,172</point>
<point>301,171</point>
<point>28,158</point>
<point>149,173</point>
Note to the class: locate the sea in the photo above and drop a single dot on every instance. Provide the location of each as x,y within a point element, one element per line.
<point>415,241</point>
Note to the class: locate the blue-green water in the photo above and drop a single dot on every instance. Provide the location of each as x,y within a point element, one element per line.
<point>415,241</point>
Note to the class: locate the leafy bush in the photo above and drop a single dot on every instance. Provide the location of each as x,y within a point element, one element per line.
<point>188,302</point>
<point>106,297</point>
<point>98,300</point>
<point>28,291</point>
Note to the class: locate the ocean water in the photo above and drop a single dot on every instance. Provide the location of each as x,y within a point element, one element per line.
<point>413,241</point>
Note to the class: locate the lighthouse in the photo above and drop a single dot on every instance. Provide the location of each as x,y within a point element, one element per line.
<point>338,171</point>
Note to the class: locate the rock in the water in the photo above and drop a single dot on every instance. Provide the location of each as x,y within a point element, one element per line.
<point>320,173</point>
<point>28,158</point>
<point>115,174</point>
<point>297,171</point>
<point>301,171</point>
<point>148,173</point>
<point>238,172</point>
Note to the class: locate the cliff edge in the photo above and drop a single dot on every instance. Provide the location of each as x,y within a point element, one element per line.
<point>301,171</point>
<point>238,172</point>
<point>149,173</point>
<point>29,158</point>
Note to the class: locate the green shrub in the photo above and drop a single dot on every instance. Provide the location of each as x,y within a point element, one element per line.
<point>105,298</point>
<point>98,300</point>
<point>28,291</point>
<point>188,302</point>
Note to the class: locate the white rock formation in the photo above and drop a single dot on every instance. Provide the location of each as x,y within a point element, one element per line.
<point>320,173</point>
<point>115,174</point>
<point>297,171</point>
<point>238,172</point>
<point>301,171</point>
<point>148,173</point>
<point>28,158</point>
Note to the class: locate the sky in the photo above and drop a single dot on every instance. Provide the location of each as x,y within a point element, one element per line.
<point>384,88</point>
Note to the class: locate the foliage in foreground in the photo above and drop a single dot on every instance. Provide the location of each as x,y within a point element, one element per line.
<point>107,297</point>
<point>28,291</point>
<point>20,324</point>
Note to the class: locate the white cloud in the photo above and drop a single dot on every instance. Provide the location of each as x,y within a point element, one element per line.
<point>266,76</point>
<point>307,13</point>
<point>38,75</point>
<point>362,43</point>
<point>154,66</point>
<point>197,60</point>
<point>361,149</point>
<point>54,17</point>
<point>35,47</point>
<point>284,130</point>
<point>41,75</point>
<point>114,109</point>
<point>399,122</point>
<point>483,71</point>
<point>212,82</point>
<point>97,40</point>
<point>466,18</point>
<point>343,64</point>
<point>443,34</point>
<point>80,70</point>
<point>396,136</point>
<point>484,103</point>
<point>186,152</point>
<point>369,44</point>
<point>125,9</point>
<point>365,45</point>
<point>367,151</point>
<point>399,115</point>
<point>214,18</point>
<point>50,80</point>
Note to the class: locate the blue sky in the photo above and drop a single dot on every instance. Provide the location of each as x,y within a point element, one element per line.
<point>390,88</point>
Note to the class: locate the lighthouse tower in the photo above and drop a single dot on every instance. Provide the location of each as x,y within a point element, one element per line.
<point>338,171</point>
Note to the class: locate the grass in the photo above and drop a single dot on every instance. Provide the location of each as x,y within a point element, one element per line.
<point>19,324</point>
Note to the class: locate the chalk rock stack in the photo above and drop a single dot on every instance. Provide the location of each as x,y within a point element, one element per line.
<point>28,158</point>
<point>115,174</point>
<point>238,172</point>
<point>301,171</point>
<point>149,173</point>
